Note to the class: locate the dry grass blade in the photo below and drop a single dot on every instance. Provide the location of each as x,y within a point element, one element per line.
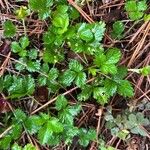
<point>140,45</point>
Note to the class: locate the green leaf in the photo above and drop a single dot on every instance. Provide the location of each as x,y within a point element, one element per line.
<point>53,74</point>
<point>33,66</point>
<point>86,136</point>
<point>16,147</point>
<point>86,35</point>
<point>86,93</point>
<point>108,68</point>
<point>45,134</point>
<point>43,8</point>
<point>5,142</point>
<point>17,129</point>
<point>80,79</point>
<point>21,65</point>
<point>113,55</point>
<point>145,71</point>
<point>68,77</point>
<point>135,9</point>
<point>100,94</point>
<point>42,80</point>
<point>74,65</point>
<point>33,53</point>
<point>118,29</point>
<point>61,102</point>
<point>20,116</point>
<point>22,12</point>
<point>47,130</point>
<point>110,86</point>
<point>29,147</point>
<point>125,89</point>
<point>61,19</point>
<point>34,123</point>
<point>9,29</point>
<point>16,47</point>
<point>24,41</point>
<point>55,125</point>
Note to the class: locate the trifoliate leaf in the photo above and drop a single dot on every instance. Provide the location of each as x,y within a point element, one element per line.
<point>80,79</point>
<point>74,65</point>
<point>125,89</point>
<point>113,55</point>
<point>61,102</point>
<point>9,29</point>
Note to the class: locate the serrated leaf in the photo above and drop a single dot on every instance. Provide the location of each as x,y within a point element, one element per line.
<point>5,142</point>
<point>74,65</point>
<point>85,94</point>
<point>61,102</point>
<point>45,134</point>
<point>87,136</point>
<point>24,41</point>
<point>43,8</point>
<point>33,53</point>
<point>33,124</point>
<point>20,116</point>
<point>68,77</point>
<point>15,47</point>
<point>125,89</point>
<point>9,29</point>
<point>110,86</point>
<point>53,74</point>
<point>61,19</point>
<point>113,55</point>
<point>16,130</point>
<point>33,66</point>
<point>42,80</point>
<point>107,68</point>
<point>118,29</point>
<point>80,79</point>
<point>86,35</point>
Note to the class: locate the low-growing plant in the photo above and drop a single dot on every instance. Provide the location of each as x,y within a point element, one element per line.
<point>96,73</point>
